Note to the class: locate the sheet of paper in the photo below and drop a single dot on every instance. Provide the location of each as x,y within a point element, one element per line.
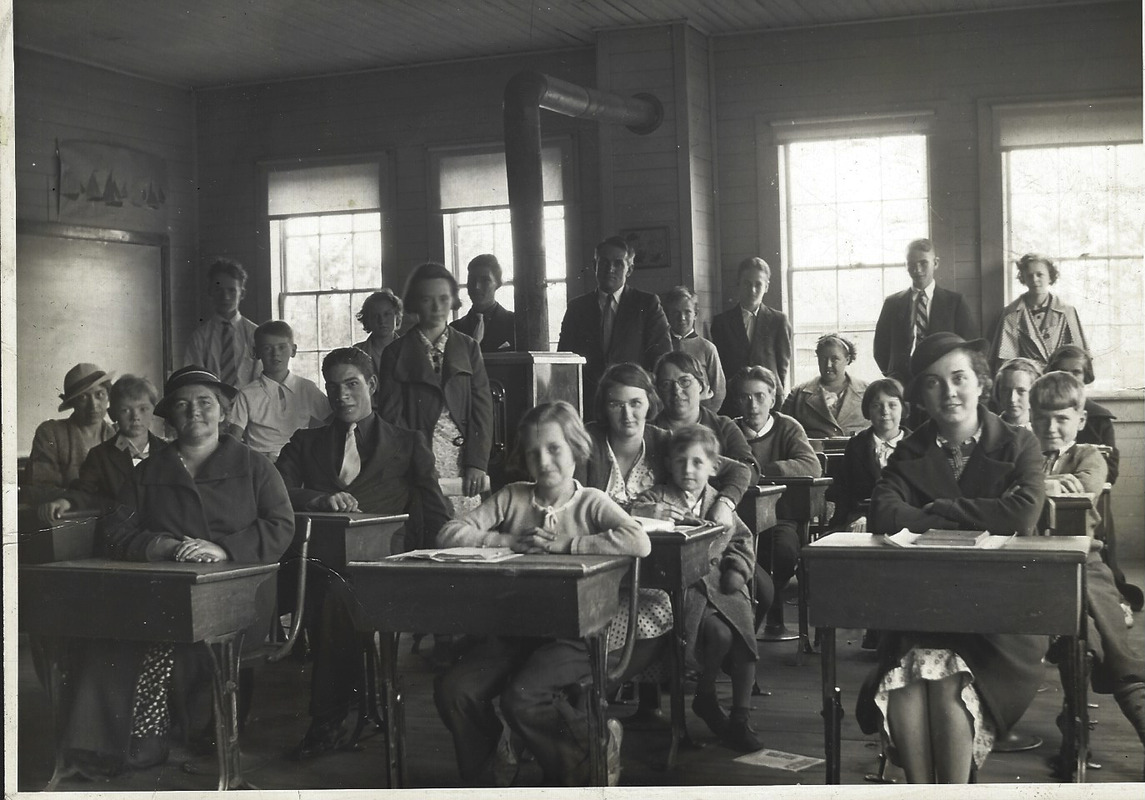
<point>777,759</point>
<point>468,555</point>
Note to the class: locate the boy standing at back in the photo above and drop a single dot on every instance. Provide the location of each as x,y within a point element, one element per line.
<point>1057,411</point>
<point>224,344</point>
<point>277,403</point>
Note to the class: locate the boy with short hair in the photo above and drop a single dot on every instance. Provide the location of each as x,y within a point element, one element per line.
<point>224,344</point>
<point>680,306</point>
<point>278,402</point>
<point>1057,412</point>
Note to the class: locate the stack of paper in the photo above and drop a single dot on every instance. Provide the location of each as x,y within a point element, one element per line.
<point>460,555</point>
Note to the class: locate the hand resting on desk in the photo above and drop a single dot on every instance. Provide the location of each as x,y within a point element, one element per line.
<point>539,540</point>
<point>339,501</point>
<point>1064,484</point>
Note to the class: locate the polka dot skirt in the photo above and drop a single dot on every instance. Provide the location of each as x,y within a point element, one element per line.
<point>653,617</point>
<point>149,713</point>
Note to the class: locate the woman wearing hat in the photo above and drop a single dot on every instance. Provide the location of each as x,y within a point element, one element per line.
<point>204,497</point>
<point>60,445</point>
<point>941,699</point>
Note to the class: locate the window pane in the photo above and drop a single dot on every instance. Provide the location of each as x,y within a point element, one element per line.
<point>302,314</point>
<point>337,268</point>
<point>307,365</point>
<point>300,272</point>
<point>557,294</point>
<point>367,259</point>
<point>814,298</point>
<point>815,243</point>
<point>335,322</point>
<point>302,226</point>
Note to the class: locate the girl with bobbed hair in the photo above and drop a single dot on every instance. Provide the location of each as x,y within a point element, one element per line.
<point>381,317</point>
<point>1038,322</point>
<point>1011,393</point>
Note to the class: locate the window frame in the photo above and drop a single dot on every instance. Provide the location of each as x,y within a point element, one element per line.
<point>996,117</point>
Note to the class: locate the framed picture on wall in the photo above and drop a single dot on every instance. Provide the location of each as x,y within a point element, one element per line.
<point>652,246</point>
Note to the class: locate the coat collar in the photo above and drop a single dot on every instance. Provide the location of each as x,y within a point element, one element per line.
<point>230,460</point>
<point>412,366</point>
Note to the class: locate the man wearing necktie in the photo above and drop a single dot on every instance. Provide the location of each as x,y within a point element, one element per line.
<point>224,344</point>
<point>615,323</point>
<point>909,316</point>
<point>489,323</point>
<point>357,462</point>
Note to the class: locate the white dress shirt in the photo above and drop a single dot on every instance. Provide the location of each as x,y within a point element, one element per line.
<point>270,412</point>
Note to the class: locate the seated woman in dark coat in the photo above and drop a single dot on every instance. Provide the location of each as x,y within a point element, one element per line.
<point>204,497</point>
<point>940,699</point>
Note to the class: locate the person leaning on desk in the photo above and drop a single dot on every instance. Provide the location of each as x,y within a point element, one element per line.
<point>205,497</point>
<point>940,699</point>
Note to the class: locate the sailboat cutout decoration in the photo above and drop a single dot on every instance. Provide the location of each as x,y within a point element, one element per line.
<point>104,183</point>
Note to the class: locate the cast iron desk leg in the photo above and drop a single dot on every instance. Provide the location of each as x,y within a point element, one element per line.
<point>832,716</point>
<point>392,711</point>
<point>597,712</point>
<point>224,655</point>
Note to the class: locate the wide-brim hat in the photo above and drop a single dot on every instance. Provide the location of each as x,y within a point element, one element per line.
<point>191,375</point>
<point>937,345</point>
<point>79,379</point>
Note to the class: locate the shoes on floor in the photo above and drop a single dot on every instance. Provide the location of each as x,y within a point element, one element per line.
<point>321,738</point>
<point>147,751</point>
<point>707,708</point>
<point>612,751</point>
<point>740,736</point>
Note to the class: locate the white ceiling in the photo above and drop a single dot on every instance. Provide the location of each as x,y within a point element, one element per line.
<point>198,43</point>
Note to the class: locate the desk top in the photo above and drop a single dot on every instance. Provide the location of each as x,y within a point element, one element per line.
<point>191,572</point>
<point>869,545</point>
<point>555,565</point>
<point>350,518</point>
<point>1071,500</point>
<point>688,534</point>
<point>794,480</point>
<point>765,490</point>
<point>831,444</point>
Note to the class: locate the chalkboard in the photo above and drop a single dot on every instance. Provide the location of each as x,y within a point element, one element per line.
<point>85,294</point>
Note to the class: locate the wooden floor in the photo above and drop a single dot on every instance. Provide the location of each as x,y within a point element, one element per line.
<point>787,717</point>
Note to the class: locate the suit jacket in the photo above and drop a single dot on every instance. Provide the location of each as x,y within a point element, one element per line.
<point>807,405</point>
<point>398,475</point>
<point>500,335</point>
<point>1001,490</point>
<point>104,472</point>
<point>639,333</point>
<point>858,474</point>
<point>894,332</point>
<point>1099,430</point>
<point>416,397</point>
<point>770,344</point>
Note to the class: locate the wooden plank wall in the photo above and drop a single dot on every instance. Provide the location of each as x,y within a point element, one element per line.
<point>402,112</point>
<point>58,99</point>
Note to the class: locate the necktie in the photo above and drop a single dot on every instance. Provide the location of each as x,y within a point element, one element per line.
<point>607,316</point>
<point>228,371</point>
<point>1051,460</point>
<point>351,459</point>
<point>479,328</point>
<point>920,317</point>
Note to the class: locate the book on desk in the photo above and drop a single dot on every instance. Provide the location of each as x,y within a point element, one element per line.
<point>937,538</point>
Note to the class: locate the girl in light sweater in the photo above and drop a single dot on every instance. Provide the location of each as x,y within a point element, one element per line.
<point>551,514</point>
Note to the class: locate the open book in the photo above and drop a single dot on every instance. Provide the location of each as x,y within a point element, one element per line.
<point>460,555</point>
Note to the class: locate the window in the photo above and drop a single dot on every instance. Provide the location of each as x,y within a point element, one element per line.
<point>473,198</point>
<point>326,243</point>
<point>851,203</point>
<point>1079,200</point>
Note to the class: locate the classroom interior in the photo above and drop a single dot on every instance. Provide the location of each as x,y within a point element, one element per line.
<point>224,102</point>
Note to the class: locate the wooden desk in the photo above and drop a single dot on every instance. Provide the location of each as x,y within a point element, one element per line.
<point>830,444</point>
<point>679,559</point>
<point>337,538</point>
<point>181,602</point>
<point>803,500</point>
<point>857,581</point>
<point>758,507</point>
<point>555,596</point>
<point>1066,514</point>
<point>66,539</point>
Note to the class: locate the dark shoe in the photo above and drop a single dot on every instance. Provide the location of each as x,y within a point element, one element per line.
<point>322,738</point>
<point>870,640</point>
<point>740,736</point>
<point>707,708</point>
<point>1131,700</point>
<point>147,751</point>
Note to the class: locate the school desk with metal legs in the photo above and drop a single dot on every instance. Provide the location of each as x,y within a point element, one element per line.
<point>1021,584</point>
<point>679,559</point>
<point>1065,514</point>
<point>554,596</point>
<point>803,499</point>
<point>166,601</point>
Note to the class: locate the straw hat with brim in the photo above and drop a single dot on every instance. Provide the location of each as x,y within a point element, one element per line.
<point>79,379</point>
<point>192,375</point>
<point>937,345</point>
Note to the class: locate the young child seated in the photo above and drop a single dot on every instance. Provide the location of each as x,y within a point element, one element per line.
<point>780,448</point>
<point>1057,409</point>
<point>868,451</point>
<point>274,405</point>
<point>551,514</point>
<point>720,625</point>
<point>1011,394</point>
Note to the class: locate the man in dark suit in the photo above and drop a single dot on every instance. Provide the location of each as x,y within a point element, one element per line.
<point>358,462</point>
<point>751,334</point>
<point>489,322</point>
<point>911,315</point>
<point>615,323</point>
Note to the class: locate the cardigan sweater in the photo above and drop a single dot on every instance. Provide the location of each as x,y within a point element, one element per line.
<point>783,450</point>
<point>596,523</point>
<point>237,500</point>
<point>59,448</point>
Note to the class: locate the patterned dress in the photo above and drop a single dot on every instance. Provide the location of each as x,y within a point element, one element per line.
<point>447,442</point>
